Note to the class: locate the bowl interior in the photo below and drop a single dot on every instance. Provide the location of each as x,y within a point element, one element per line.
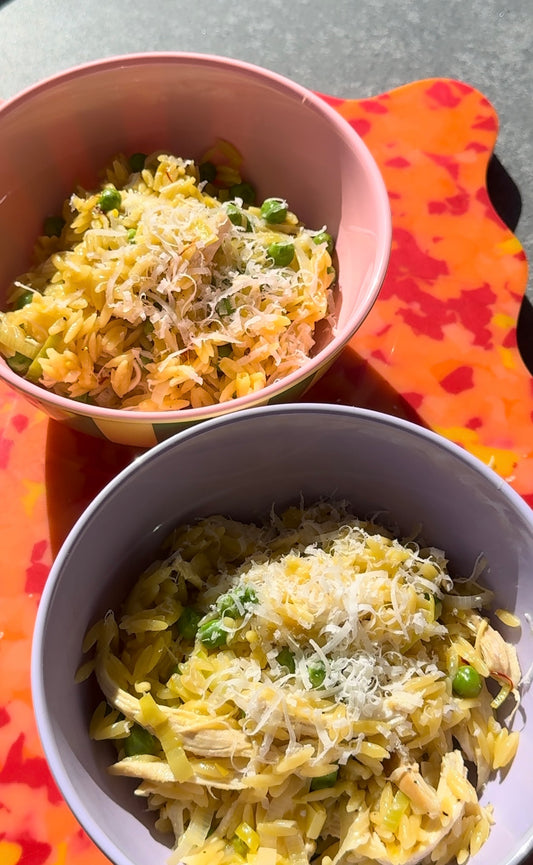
<point>63,132</point>
<point>240,466</point>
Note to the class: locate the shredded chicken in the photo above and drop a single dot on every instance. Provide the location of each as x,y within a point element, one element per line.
<point>434,838</point>
<point>422,795</point>
<point>429,800</point>
<point>203,736</point>
<point>499,656</point>
<point>159,772</point>
<point>311,712</point>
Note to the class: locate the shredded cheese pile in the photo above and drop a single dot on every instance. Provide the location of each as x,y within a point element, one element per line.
<point>293,684</point>
<point>171,299</point>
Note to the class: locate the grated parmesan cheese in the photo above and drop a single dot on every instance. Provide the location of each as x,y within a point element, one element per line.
<point>314,691</point>
<point>164,302</point>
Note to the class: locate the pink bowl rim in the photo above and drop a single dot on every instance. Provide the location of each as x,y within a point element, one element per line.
<point>312,366</point>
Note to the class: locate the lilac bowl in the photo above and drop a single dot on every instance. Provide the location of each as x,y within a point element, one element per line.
<point>64,130</point>
<point>240,465</point>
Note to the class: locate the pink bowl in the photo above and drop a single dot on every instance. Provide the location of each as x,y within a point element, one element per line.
<point>64,130</point>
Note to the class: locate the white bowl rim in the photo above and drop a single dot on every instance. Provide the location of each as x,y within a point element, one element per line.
<point>345,131</point>
<point>73,796</point>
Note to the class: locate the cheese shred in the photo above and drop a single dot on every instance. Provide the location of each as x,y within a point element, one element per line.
<point>300,701</point>
<point>162,292</point>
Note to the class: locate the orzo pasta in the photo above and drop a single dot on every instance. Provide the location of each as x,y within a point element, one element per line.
<point>162,290</point>
<point>311,688</point>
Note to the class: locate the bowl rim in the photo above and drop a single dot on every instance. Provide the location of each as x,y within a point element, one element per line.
<point>314,363</point>
<point>45,727</point>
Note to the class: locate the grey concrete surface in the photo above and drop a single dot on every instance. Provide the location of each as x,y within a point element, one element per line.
<point>346,48</point>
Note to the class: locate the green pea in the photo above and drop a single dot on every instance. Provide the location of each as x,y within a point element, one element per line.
<point>245,191</point>
<point>227,607</point>
<point>53,226</point>
<point>237,217</point>
<point>281,253</point>
<point>187,623</point>
<point>249,595</point>
<point>131,235</point>
<point>140,741</point>
<point>274,210</point>
<point>110,199</point>
<point>285,658</point>
<point>212,634</point>
<point>324,237</point>
<point>324,781</point>
<point>207,171</point>
<point>35,370</point>
<point>224,306</point>
<point>316,672</point>
<point>225,350</point>
<point>23,299</point>
<point>467,682</point>
<point>231,603</point>
<point>136,162</point>
<point>19,363</point>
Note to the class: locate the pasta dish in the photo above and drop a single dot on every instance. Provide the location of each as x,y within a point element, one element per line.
<point>307,689</point>
<point>167,289</point>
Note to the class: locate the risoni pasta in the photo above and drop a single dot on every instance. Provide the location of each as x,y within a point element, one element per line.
<point>166,288</point>
<point>310,688</point>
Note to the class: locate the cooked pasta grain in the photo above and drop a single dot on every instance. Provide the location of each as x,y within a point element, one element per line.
<point>297,680</point>
<point>156,295</point>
